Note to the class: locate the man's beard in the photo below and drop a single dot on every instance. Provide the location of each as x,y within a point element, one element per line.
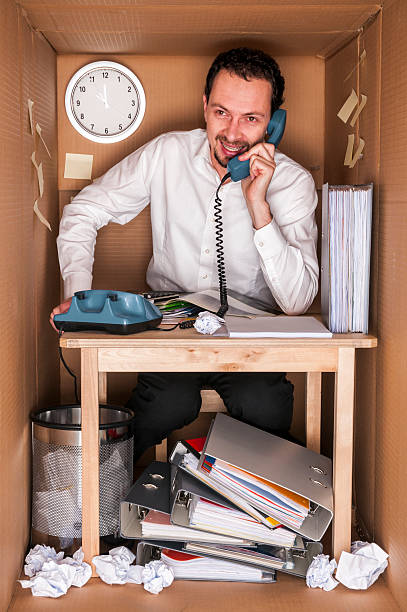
<point>244,146</point>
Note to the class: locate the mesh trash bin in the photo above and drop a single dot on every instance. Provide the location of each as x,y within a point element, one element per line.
<point>57,470</point>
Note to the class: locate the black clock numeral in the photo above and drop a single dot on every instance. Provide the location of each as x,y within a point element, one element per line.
<point>118,77</point>
<point>133,103</point>
<point>82,89</point>
<point>106,130</point>
<point>82,116</point>
<point>105,75</point>
<point>129,89</point>
<point>129,115</point>
<point>78,102</point>
<point>92,125</point>
<point>92,79</point>
<point>120,126</point>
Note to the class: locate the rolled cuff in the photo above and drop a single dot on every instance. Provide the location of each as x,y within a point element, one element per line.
<point>77,282</point>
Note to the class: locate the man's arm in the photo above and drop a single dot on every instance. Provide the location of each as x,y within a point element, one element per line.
<point>118,196</point>
<point>286,245</point>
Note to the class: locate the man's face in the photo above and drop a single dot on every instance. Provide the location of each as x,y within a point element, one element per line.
<point>236,115</point>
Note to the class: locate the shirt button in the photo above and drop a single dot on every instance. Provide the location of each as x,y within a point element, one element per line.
<point>261,244</point>
<point>207,251</point>
<point>204,276</point>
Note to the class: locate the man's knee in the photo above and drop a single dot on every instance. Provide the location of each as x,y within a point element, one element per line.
<point>164,402</point>
<point>264,400</point>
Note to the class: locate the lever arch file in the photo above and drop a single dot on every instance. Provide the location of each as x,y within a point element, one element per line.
<point>186,491</point>
<point>187,566</point>
<point>299,470</point>
<point>345,256</point>
<point>146,509</point>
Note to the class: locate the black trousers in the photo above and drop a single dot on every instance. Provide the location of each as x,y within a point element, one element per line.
<point>164,402</point>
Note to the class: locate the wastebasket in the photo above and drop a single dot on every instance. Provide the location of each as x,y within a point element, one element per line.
<point>57,471</point>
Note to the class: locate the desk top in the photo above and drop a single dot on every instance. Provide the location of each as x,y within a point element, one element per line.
<point>190,338</point>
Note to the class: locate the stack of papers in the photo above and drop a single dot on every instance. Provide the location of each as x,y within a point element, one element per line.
<point>243,555</point>
<point>282,326</point>
<point>346,241</point>
<point>176,310</point>
<point>271,499</point>
<point>192,567</point>
<point>209,516</point>
<point>157,525</point>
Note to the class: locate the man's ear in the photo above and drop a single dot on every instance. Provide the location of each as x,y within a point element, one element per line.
<point>205,105</point>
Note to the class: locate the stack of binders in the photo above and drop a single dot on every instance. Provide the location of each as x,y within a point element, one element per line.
<point>239,506</point>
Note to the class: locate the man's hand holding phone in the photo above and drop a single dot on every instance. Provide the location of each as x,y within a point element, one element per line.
<point>61,309</point>
<point>254,187</point>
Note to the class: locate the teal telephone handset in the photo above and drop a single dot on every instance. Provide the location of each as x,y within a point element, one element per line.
<point>275,130</point>
<point>237,171</point>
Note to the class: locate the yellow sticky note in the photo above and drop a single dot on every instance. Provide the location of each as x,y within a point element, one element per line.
<point>358,152</point>
<point>41,216</point>
<point>78,166</point>
<point>359,109</point>
<point>349,150</point>
<point>350,104</point>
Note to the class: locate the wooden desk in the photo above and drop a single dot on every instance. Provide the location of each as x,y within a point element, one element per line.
<point>188,351</point>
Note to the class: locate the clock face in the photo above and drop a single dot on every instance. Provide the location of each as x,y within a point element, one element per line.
<point>105,101</point>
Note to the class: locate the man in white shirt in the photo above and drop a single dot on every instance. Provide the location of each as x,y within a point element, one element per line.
<point>269,234</point>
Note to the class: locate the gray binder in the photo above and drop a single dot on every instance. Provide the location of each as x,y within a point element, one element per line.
<point>151,491</point>
<point>284,463</point>
<point>296,560</point>
<point>151,551</point>
<point>184,491</point>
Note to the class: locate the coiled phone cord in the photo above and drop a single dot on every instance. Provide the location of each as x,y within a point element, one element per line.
<point>223,292</point>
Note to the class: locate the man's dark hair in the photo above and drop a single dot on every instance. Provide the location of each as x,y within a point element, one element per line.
<point>249,64</point>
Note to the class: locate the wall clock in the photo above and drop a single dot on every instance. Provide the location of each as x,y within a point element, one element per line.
<point>105,101</point>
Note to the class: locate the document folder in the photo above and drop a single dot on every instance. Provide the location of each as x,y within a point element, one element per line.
<point>186,490</point>
<point>211,569</point>
<point>294,561</point>
<point>150,492</point>
<point>282,463</point>
<point>149,498</point>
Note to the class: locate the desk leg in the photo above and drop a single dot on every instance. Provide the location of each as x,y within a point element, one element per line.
<point>343,451</point>
<point>90,453</point>
<point>313,411</point>
<point>102,388</point>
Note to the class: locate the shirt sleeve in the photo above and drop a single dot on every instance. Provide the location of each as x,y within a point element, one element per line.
<point>287,249</point>
<point>118,196</point>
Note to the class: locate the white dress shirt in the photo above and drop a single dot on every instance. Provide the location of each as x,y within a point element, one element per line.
<point>173,173</point>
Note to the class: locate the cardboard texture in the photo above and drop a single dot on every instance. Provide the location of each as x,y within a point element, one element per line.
<point>29,283</point>
<point>170,46</point>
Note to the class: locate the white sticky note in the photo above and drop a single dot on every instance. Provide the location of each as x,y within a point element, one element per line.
<point>30,114</point>
<point>40,174</point>
<point>38,130</point>
<point>78,166</point>
<point>349,150</point>
<point>350,104</point>
<point>359,110</point>
<point>41,216</point>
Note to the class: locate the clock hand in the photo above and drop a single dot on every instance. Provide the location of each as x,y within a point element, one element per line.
<point>105,96</point>
<point>102,99</point>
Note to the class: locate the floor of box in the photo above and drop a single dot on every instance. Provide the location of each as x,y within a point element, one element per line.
<point>287,594</point>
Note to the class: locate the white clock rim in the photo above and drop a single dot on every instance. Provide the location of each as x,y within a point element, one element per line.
<point>97,66</point>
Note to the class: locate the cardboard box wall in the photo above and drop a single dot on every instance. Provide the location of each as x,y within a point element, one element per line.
<point>318,47</point>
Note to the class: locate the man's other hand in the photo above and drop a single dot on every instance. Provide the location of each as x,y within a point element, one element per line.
<point>64,307</point>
